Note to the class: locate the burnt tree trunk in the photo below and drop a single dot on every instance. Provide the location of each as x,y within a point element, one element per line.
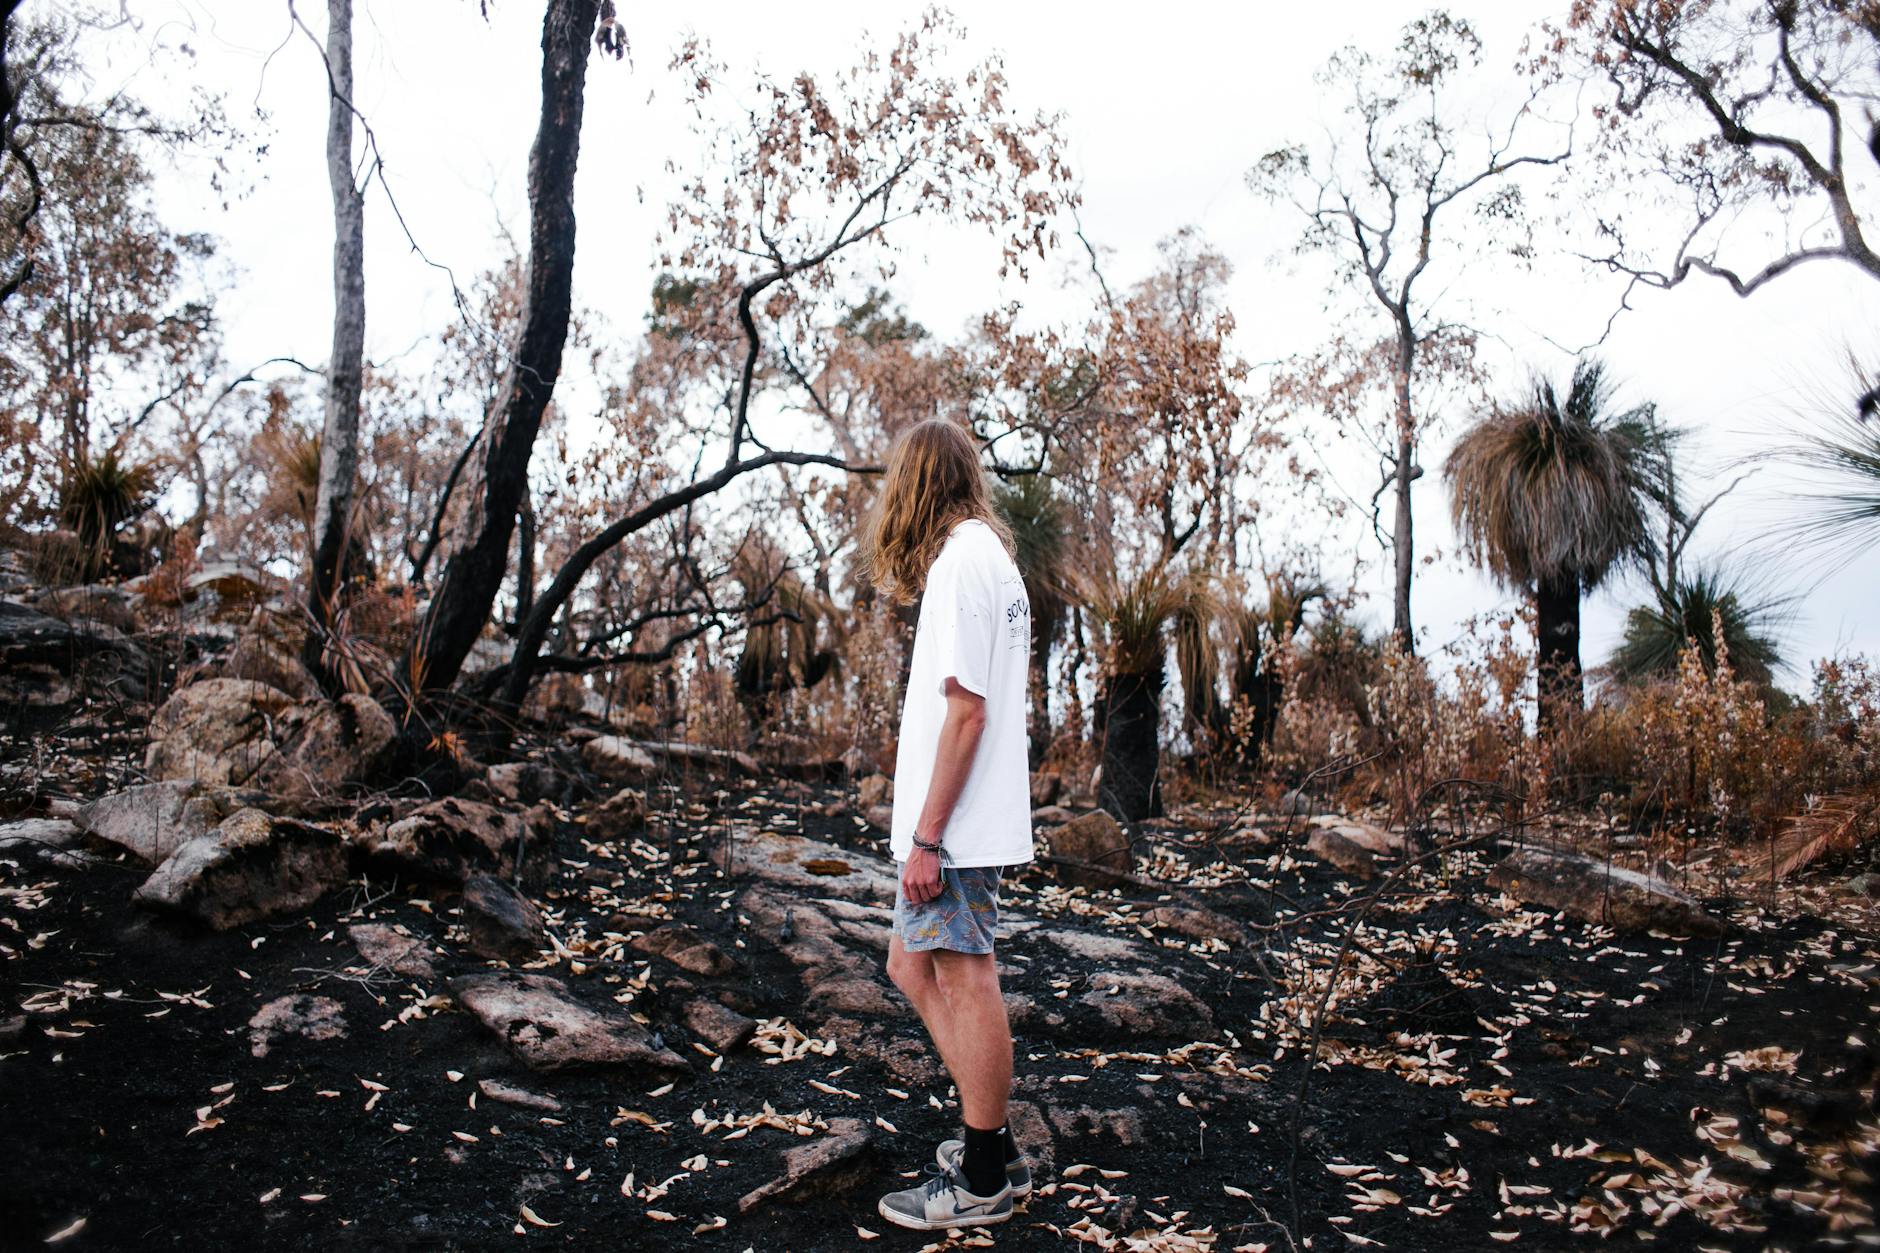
<point>1557,627</point>
<point>1403,536</point>
<point>474,571</point>
<point>333,538</point>
<point>1132,732</point>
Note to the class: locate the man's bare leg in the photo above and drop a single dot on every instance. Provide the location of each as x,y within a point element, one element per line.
<point>958,999</point>
<point>913,973</point>
<point>978,1053</point>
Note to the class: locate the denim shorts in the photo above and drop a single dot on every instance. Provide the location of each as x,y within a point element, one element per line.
<point>961,919</point>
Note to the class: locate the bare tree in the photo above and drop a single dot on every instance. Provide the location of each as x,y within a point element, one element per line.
<point>339,438</point>
<point>475,569</point>
<point>1735,108</point>
<point>1376,211</point>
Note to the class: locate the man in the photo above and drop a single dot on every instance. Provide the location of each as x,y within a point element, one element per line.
<point>962,800</point>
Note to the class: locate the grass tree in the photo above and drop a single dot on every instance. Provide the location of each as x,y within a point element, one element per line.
<point>1137,616</point>
<point>1550,495</point>
<point>1041,531</point>
<point>1700,610</point>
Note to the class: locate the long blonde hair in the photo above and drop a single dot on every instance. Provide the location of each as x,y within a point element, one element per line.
<point>934,483</point>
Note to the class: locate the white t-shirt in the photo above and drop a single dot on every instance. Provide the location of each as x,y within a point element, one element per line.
<point>975,627</point>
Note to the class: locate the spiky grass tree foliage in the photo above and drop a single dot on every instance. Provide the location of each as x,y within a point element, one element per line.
<point>1255,636</point>
<point>1041,534</point>
<point>1136,615</point>
<point>780,648</point>
<point>1550,495</point>
<point>101,494</point>
<point>1700,608</point>
<point>1841,516</point>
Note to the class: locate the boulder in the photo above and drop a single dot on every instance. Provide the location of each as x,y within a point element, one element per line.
<point>503,924</point>
<point>326,745</point>
<point>390,949</point>
<point>239,733</point>
<point>252,865</point>
<point>547,1029</point>
<point>1595,892</point>
<point>302,1015</point>
<point>614,757</point>
<point>1052,816</point>
<point>448,840</point>
<point>1367,836</point>
<point>718,1025</point>
<point>830,1165</point>
<point>150,820</point>
<point>262,659</point>
<point>876,789</point>
<point>685,948</point>
<point>619,816</point>
<point>1148,1005</point>
<point>216,732</point>
<point>1098,839</point>
<point>37,650</point>
<point>38,835</point>
<point>1046,787</point>
<point>1342,854</point>
<point>880,817</point>
<point>527,782</point>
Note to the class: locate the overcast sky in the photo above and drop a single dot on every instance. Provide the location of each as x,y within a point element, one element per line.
<point>1166,108</point>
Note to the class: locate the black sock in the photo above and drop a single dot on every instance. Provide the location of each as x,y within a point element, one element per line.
<point>983,1162</point>
<point>1011,1146</point>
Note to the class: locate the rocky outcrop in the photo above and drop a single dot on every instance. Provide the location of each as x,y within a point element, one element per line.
<point>829,1165</point>
<point>251,866</point>
<point>447,841</point>
<point>503,924</point>
<point>1596,892</point>
<point>1342,853</point>
<point>542,1023</point>
<point>1147,1005</point>
<point>811,866</point>
<point>618,759</point>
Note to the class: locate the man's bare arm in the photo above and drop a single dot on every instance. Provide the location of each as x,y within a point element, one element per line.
<point>953,762</point>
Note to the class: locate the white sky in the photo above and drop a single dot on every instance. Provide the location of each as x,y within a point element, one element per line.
<point>1166,109</point>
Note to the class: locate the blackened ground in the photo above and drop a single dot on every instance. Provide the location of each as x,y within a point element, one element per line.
<point>1515,1077</point>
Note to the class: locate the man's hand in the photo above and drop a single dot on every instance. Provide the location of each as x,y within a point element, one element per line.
<point>920,877</point>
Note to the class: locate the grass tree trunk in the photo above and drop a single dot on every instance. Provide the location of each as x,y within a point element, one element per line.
<point>1557,626</point>
<point>474,571</point>
<point>339,439</point>
<point>1132,732</point>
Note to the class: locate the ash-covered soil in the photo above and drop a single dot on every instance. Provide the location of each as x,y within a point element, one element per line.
<point>1486,1075</point>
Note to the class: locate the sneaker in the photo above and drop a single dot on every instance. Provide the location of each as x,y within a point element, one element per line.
<point>943,1201</point>
<point>1017,1173</point>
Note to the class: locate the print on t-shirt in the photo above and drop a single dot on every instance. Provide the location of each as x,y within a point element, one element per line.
<point>1017,612</point>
